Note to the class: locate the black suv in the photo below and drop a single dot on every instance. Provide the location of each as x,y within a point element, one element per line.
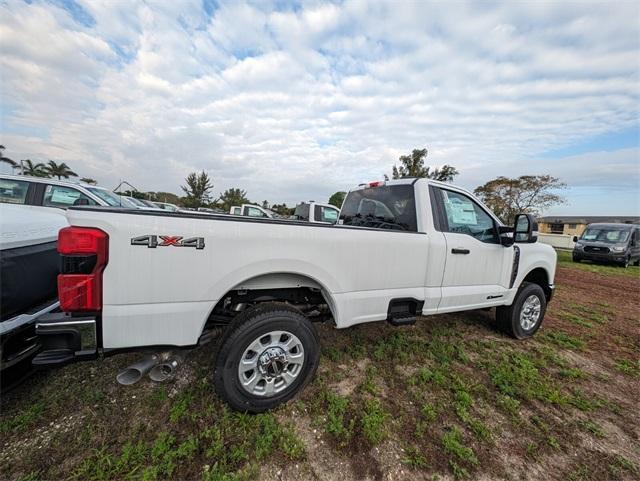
<point>619,243</point>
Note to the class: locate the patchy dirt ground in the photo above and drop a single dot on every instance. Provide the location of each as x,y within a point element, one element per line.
<point>448,398</point>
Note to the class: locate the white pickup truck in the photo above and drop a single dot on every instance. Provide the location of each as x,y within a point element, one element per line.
<point>316,212</point>
<point>401,249</point>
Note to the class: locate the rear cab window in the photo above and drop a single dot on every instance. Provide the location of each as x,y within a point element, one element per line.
<point>391,207</point>
<point>13,191</point>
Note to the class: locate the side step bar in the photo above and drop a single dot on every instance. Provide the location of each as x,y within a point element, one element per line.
<point>65,339</point>
<point>404,311</point>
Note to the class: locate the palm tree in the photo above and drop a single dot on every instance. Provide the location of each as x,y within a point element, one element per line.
<point>34,170</point>
<point>59,170</point>
<point>88,180</point>
<point>7,160</point>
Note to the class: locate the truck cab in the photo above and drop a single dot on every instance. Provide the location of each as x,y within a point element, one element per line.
<point>316,212</point>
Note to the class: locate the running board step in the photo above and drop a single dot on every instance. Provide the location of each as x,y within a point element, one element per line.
<point>403,321</point>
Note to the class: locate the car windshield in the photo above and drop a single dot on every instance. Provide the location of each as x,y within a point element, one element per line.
<point>135,201</point>
<point>603,234</point>
<point>106,195</point>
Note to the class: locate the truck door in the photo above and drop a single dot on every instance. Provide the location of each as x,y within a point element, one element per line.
<point>477,266</point>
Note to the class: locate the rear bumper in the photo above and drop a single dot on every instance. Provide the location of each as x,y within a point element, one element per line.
<point>66,339</point>
<point>18,339</point>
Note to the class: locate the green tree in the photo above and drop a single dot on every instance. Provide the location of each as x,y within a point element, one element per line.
<point>169,197</point>
<point>233,196</point>
<point>282,209</point>
<point>337,199</point>
<point>7,160</point>
<point>197,190</point>
<point>34,170</point>
<point>59,170</point>
<point>412,165</point>
<point>89,180</point>
<point>530,194</point>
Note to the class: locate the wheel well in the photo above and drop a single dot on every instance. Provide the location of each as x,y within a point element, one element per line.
<point>539,276</point>
<point>308,300</point>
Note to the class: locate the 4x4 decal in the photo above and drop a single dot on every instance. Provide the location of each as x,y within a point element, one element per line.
<point>153,241</point>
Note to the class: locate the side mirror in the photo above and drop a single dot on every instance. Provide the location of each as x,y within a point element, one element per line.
<point>525,228</point>
<point>575,238</point>
<point>506,235</point>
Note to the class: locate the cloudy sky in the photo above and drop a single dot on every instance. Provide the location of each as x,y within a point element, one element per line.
<point>294,101</point>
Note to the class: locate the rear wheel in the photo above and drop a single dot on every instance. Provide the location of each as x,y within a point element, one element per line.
<point>524,317</point>
<point>267,355</point>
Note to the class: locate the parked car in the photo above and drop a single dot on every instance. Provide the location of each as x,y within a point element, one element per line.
<point>402,249</point>
<point>167,206</point>
<point>135,203</point>
<point>29,266</point>
<point>45,192</point>
<point>616,243</point>
<point>316,212</point>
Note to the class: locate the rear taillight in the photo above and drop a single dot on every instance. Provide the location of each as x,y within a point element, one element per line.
<point>85,252</point>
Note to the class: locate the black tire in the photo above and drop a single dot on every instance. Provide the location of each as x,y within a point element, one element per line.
<point>508,317</point>
<point>249,326</point>
<point>576,259</point>
<point>625,263</point>
<point>637,262</point>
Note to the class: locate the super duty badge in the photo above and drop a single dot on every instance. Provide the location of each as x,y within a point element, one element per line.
<point>153,241</point>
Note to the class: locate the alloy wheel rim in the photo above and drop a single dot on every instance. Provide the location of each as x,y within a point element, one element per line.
<point>530,312</point>
<point>271,363</point>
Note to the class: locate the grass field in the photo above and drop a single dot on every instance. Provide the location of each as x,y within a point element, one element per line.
<point>448,398</point>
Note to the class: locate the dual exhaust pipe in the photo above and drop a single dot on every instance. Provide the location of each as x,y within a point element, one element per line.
<point>159,368</point>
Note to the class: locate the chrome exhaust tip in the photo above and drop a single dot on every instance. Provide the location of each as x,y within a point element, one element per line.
<point>164,370</point>
<point>135,372</point>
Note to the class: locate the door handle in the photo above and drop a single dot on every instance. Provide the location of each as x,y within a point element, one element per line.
<point>460,251</point>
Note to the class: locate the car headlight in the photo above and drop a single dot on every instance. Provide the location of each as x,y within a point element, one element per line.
<point>618,249</point>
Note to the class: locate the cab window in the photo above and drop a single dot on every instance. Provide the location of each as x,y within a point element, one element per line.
<point>462,215</point>
<point>63,197</point>
<point>387,207</point>
<point>254,212</point>
<point>13,191</point>
<point>326,214</point>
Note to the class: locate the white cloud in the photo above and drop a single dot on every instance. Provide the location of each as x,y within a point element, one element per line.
<point>295,103</point>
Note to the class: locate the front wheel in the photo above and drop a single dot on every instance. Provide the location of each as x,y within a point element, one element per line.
<point>268,354</point>
<point>524,316</point>
<point>625,262</point>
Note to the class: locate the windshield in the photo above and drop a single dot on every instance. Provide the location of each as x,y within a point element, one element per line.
<point>147,203</point>
<point>387,207</point>
<point>107,196</point>
<point>605,234</point>
<point>134,201</point>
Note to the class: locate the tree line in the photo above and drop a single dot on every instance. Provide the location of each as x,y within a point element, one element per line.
<point>40,169</point>
<point>503,195</point>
